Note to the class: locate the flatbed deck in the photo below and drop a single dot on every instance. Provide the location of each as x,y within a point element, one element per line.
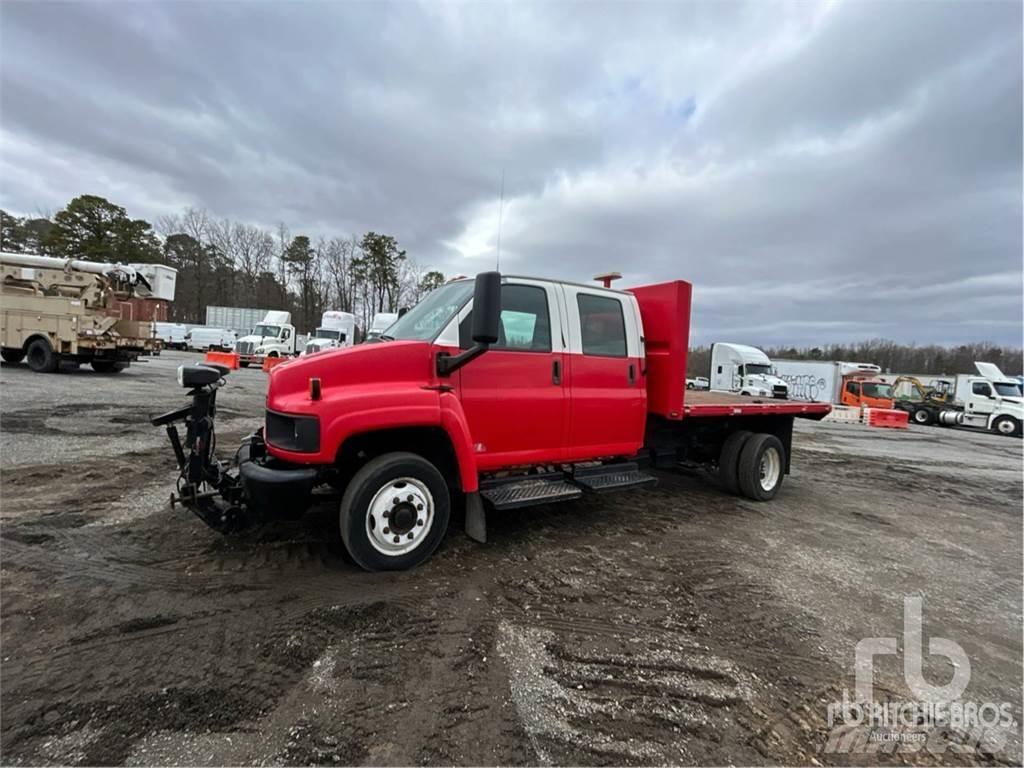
<point>707,403</point>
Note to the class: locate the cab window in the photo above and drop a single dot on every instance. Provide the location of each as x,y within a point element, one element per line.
<point>981,388</point>
<point>525,321</point>
<point>853,387</point>
<point>602,325</point>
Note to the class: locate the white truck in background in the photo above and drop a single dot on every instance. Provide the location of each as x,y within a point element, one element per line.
<point>273,337</point>
<point>380,323</point>
<point>171,334</point>
<point>337,329</point>
<point>744,370</point>
<point>200,338</point>
<point>825,381</point>
<point>990,400</point>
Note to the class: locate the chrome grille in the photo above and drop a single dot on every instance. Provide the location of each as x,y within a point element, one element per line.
<point>244,348</point>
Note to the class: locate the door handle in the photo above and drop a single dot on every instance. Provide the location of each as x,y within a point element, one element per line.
<point>632,374</point>
<point>556,372</point>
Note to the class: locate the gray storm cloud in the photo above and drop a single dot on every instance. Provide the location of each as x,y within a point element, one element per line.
<point>819,172</point>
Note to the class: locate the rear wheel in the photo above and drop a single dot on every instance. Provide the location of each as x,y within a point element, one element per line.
<point>394,512</point>
<point>107,366</point>
<point>12,354</point>
<point>243,363</point>
<point>41,357</point>
<point>728,460</point>
<point>1006,425</point>
<point>922,416</point>
<point>762,466</point>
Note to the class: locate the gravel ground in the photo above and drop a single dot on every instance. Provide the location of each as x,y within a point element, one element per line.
<point>671,625</point>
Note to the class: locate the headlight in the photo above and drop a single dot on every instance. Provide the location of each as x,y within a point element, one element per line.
<point>259,351</point>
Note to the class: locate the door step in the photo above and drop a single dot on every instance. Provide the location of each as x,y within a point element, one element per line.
<point>526,492</point>
<point>612,477</point>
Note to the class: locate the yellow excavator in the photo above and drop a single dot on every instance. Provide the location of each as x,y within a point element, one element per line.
<point>908,391</point>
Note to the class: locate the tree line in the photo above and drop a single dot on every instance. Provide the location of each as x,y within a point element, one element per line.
<point>890,356</point>
<point>231,263</point>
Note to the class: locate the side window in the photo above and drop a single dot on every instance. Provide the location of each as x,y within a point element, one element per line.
<point>286,334</point>
<point>602,326</point>
<point>525,321</point>
<point>853,388</point>
<point>981,388</point>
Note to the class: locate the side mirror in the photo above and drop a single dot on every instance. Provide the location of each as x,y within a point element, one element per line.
<point>486,323</point>
<point>487,307</point>
<point>402,311</point>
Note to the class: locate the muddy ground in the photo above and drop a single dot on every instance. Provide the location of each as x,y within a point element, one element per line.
<point>672,625</point>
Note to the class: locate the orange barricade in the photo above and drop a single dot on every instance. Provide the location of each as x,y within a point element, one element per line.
<point>884,417</point>
<point>230,359</point>
<point>270,362</point>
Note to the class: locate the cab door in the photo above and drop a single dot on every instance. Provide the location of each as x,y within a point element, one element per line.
<point>513,395</point>
<point>607,393</point>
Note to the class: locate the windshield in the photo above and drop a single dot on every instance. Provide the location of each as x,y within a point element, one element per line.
<point>266,330</point>
<point>757,368</point>
<point>1006,389</point>
<point>424,321</point>
<point>874,389</point>
<point>327,333</point>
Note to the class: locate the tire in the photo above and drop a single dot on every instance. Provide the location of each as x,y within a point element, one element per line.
<point>273,354</point>
<point>728,460</point>
<point>41,357</point>
<point>243,364</point>
<point>107,366</point>
<point>762,467</point>
<point>1006,425</point>
<point>374,488</point>
<point>12,354</point>
<point>922,417</point>
<point>689,385</point>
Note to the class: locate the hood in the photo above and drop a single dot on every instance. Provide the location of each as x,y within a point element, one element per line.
<point>371,366</point>
<point>767,380</point>
<point>258,339</point>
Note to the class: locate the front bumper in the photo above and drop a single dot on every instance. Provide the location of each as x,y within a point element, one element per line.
<point>269,486</point>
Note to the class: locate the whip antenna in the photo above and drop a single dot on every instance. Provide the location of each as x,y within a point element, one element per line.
<point>501,209</point>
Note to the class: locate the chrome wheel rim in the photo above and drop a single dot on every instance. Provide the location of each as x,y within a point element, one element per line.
<point>921,417</point>
<point>770,469</point>
<point>400,516</point>
<point>1005,426</point>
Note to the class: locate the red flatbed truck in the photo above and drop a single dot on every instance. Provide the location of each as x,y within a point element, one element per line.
<point>501,392</point>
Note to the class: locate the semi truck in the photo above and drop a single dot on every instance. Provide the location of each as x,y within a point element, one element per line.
<point>58,311</point>
<point>274,336</point>
<point>380,323</point>
<point>746,370</point>
<point>830,381</point>
<point>490,394</point>
<point>336,329</point>
<point>990,400</point>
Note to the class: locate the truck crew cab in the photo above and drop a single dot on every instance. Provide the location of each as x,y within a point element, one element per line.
<point>502,392</point>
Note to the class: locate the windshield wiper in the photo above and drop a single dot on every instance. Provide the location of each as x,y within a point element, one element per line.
<point>385,337</point>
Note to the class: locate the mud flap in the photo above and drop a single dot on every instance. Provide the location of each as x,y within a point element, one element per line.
<point>476,518</point>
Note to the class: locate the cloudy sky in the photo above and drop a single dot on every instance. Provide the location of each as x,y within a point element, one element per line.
<point>819,172</point>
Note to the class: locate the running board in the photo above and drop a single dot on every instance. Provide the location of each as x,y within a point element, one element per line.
<point>612,477</point>
<point>528,491</point>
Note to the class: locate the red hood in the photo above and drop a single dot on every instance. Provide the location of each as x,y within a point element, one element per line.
<point>365,365</point>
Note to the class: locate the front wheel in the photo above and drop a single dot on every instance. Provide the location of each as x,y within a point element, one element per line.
<point>394,512</point>
<point>41,357</point>
<point>1006,425</point>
